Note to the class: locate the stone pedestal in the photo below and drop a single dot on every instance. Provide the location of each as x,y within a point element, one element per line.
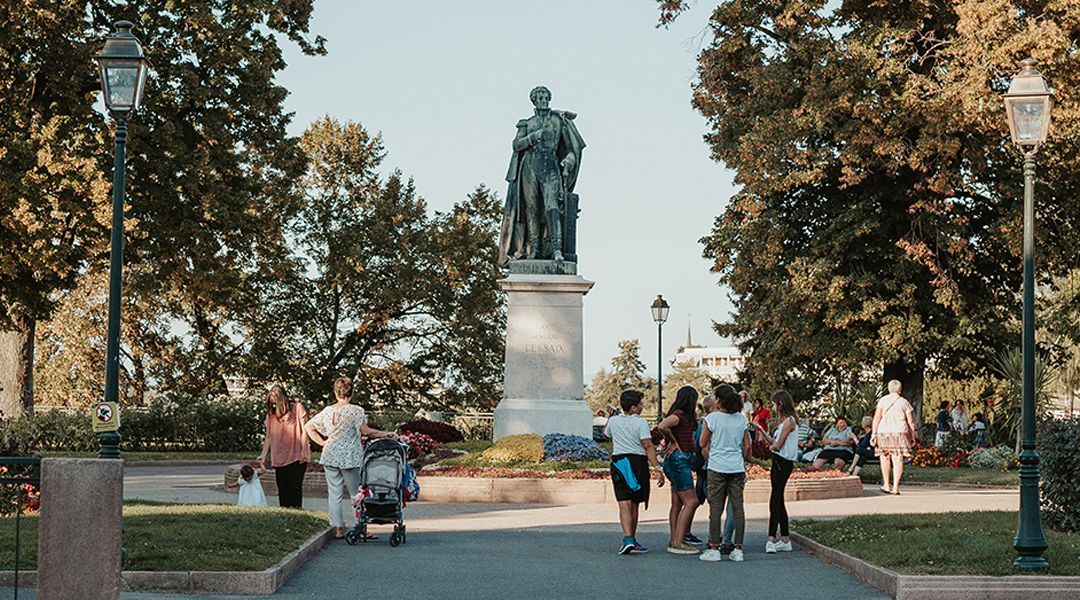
<point>80,530</point>
<point>543,380</point>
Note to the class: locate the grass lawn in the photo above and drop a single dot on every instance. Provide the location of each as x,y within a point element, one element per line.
<point>192,537</point>
<point>994,477</point>
<point>471,446</point>
<point>970,543</point>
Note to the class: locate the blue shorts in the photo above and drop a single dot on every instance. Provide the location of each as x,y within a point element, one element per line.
<point>677,470</point>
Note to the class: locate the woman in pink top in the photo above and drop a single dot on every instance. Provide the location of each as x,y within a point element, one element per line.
<point>892,435</point>
<point>287,444</point>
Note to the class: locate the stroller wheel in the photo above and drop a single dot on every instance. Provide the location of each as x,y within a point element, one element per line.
<point>395,539</point>
<point>352,537</point>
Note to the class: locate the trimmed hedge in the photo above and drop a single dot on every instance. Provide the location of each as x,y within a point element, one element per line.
<point>524,447</point>
<point>1059,461</point>
<point>440,432</point>
<point>204,424</point>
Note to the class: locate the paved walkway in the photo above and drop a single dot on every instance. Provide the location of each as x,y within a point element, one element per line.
<point>503,551</point>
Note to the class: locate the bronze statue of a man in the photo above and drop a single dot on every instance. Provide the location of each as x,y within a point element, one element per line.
<point>543,172</point>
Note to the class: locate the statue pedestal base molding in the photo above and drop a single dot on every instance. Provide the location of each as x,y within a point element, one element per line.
<point>543,378</point>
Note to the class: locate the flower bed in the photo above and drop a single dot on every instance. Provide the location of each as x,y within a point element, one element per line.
<point>753,473</point>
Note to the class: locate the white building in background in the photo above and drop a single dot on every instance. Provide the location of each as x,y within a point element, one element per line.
<point>720,362</point>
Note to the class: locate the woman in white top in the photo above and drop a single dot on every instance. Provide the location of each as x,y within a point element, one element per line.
<point>893,434</point>
<point>338,429</point>
<point>960,417</point>
<point>785,447</point>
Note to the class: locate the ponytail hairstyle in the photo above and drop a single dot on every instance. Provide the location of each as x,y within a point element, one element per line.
<point>785,404</point>
<point>686,401</point>
<point>729,399</point>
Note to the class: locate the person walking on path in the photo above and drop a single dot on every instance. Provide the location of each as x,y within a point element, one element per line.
<point>678,429</point>
<point>338,428</point>
<point>784,447</point>
<point>632,452</point>
<point>893,434</point>
<point>725,435</point>
<point>287,445</point>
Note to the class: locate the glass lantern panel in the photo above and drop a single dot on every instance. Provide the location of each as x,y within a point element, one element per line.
<point>1028,116</point>
<point>122,85</point>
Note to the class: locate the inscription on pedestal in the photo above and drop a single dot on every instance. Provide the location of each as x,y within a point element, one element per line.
<point>543,267</point>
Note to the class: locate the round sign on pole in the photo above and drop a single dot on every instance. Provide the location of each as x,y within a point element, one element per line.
<point>106,417</point>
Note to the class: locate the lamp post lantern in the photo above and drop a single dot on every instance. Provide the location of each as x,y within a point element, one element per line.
<point>660,311</point>
<point>1027,105</point>
<point>123,77</point>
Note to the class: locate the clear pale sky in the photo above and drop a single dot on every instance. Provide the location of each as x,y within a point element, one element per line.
<point>446,82</point>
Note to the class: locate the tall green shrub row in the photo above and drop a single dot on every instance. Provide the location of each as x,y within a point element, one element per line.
<point>173,424</point>
<point>1059,454</point>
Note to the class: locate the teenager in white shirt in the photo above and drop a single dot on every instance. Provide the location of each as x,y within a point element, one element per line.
<point>632,452</point>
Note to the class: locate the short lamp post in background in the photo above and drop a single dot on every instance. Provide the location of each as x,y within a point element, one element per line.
<point>123,77</point>
<point>1027,104</point>
<point>660,311</point>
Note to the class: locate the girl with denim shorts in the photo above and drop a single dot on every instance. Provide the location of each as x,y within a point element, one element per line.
<point>678,429</point>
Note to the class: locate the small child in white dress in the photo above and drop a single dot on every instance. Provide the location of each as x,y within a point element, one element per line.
<point>251,492</point>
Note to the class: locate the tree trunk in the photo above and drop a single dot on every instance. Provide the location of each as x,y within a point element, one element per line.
<point>17,369</point>
<point>911,376</point>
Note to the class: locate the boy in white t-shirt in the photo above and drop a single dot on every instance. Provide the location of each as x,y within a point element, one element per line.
<point>632,452</point>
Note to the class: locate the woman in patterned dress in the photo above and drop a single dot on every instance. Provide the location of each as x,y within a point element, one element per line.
<point>338,428</point>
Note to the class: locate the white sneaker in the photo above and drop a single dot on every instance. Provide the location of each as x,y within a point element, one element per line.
<point>736,555</point>
<point>770,548</point>
<point>781,546</point>
<point>711,555</point>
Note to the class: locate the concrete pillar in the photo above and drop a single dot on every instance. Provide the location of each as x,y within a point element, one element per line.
<point>80,530</point>
<point>543,376</point>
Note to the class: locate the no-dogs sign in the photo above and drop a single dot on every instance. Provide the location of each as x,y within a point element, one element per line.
<point>106,417</point>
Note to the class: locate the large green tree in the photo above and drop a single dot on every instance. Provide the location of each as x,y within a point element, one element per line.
<point>627,373</point>
<point>381,288</point>
<point>210,167</point>
<point>876,221</point>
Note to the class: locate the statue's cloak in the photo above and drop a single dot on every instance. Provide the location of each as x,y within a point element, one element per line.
<point>513,242</point>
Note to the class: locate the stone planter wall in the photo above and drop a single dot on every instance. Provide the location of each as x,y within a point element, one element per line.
<point>561,491</point>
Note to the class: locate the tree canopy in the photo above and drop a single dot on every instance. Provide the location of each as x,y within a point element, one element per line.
<point>877,220</point>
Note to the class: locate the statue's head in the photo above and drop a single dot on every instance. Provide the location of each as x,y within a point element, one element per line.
<point>540,96</point>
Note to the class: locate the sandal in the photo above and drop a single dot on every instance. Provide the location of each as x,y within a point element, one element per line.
<point>885,489</point>
<point>339,533</point>
<point>895,492</point>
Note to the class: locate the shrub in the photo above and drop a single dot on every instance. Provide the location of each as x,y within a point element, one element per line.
<point>420,445</point>
<point>440,432</point>
<point>957,442</point>
<point>524,447</point>
<point>1059,453</point>
<point>561,447</point>
<point>999,457</point>
<point>209,424</point>
<point>929,457</point>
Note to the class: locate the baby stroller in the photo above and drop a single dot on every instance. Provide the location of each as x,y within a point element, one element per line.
<point>381,497</point>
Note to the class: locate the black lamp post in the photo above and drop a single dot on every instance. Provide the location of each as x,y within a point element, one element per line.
<point>660,311</point>
<point>123,77</point>
<point>1027,104</point>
